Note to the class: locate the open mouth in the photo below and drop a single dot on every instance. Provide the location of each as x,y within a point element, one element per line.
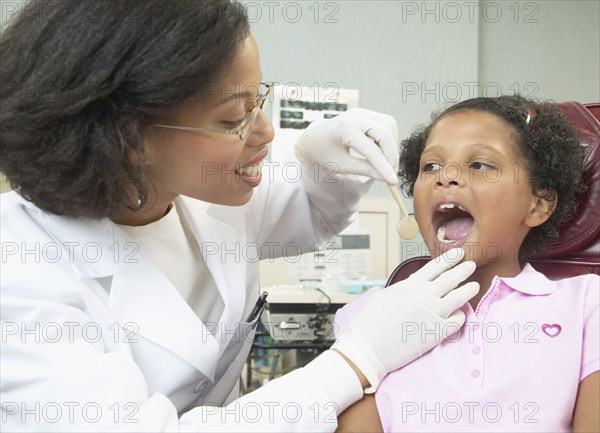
<point>451,223</point>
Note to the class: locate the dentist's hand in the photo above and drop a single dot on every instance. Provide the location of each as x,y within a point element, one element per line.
<point>403,321</point>
<point>373,136</point>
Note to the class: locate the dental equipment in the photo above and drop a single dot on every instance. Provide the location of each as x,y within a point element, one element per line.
<point>407,226</point>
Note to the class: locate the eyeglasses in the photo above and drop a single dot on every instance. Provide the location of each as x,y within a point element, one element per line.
<point>243,131</point>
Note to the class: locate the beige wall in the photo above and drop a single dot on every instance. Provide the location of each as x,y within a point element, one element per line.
<point>552,51</point>
<point>4,186</point>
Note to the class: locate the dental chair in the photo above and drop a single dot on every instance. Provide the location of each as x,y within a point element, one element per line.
<point>577,249</point>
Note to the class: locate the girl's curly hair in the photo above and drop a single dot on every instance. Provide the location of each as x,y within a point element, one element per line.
<point>548,144</point>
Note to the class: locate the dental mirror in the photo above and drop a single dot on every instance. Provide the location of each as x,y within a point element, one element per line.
<point>407,226</point>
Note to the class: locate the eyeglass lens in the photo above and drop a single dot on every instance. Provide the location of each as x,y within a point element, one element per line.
<point>250,123</point>
<point>247,127</point>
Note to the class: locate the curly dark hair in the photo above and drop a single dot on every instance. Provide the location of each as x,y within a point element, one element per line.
<point>548,144</point>
<point>82,79</point>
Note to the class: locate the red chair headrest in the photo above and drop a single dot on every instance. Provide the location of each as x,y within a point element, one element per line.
<point>578,233</point>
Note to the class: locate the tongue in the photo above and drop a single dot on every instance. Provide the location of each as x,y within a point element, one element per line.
<point>458,228</point>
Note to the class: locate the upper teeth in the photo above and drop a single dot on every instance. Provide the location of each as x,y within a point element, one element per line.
<point>251,171</point>
<point>444,206</point>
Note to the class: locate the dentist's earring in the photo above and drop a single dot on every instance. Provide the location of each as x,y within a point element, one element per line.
<point>141,201</point>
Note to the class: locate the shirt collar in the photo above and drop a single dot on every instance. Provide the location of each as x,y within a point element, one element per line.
<point>531,282</point>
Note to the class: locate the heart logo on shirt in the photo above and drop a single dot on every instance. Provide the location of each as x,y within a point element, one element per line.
<point>551,330</point>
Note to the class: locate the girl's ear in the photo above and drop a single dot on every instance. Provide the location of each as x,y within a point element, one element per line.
<point>543,203</point>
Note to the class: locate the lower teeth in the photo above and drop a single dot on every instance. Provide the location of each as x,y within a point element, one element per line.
<point>441,235</point>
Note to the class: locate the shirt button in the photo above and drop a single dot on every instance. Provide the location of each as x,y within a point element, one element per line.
<point>476,350</point>
<point>475,373</point>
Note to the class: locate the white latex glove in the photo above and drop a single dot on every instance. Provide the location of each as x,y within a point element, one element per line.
<point>405,320</point>
<point>372,136</point>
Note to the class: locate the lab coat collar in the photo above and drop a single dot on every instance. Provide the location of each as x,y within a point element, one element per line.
<point>221,235</point>
<point>89,243</point>
<point>140,293</point>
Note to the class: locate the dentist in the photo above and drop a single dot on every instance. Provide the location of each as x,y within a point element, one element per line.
<point>134,138</point>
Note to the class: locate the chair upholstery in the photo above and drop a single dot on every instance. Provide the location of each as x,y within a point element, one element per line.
<point>577,249</point>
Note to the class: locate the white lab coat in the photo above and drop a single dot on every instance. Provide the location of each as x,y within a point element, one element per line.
<point>95,337</point>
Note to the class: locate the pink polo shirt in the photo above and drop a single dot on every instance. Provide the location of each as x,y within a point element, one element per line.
<point>514,366</point>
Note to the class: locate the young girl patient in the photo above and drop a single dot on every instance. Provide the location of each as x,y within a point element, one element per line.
<point>496,176</point>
